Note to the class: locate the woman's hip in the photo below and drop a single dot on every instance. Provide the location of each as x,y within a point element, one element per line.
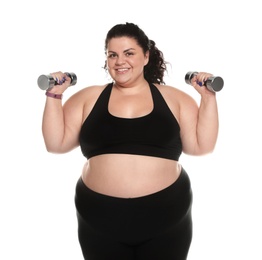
<point>136,219</point>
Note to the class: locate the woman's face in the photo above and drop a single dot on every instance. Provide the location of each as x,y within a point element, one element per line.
<point>125,59</point>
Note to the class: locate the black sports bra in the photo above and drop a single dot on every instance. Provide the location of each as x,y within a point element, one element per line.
<point>156,134</point>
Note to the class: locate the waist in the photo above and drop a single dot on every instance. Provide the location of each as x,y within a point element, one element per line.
<point>124,175</point>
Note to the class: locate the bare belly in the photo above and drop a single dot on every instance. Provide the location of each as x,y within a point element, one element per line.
<point>129,176</point>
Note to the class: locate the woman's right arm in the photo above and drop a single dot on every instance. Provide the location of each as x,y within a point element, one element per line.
<point>62,123</point>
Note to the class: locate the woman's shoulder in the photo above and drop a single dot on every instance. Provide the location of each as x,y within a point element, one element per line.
<point>87,93</point>
<point>174,94</point>
<point>85,96</point>
<point>91,90</point>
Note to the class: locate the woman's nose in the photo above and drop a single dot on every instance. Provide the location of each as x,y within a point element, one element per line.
<point>120,60</point>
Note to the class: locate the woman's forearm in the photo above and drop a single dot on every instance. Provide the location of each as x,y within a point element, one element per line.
<point>53,125</point>
<point>208,123</point>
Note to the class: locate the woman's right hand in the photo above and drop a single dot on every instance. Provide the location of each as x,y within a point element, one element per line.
<point>62,82</point>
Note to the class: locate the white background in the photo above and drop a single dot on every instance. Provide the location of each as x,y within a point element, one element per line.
<point>37,219</point>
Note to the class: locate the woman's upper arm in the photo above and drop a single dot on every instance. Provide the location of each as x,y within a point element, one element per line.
<point>185,109</point>
<point>188,117</point>
<point>73,118</point>
<point>76,109</point>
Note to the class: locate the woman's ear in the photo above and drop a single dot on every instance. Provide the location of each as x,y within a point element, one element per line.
<point>146,58</point>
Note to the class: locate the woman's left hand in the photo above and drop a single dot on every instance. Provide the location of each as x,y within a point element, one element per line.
<point>198,82</point>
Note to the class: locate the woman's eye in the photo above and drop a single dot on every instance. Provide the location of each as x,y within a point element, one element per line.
<point>112,55</point>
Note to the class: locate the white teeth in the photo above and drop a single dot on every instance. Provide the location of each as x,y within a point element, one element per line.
<point>122,69</point>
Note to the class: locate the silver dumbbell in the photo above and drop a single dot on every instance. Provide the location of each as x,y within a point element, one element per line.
<point>46,82</point>
<point>213,84</point>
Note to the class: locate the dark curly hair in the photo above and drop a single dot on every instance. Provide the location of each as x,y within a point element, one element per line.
<point>156,67</point>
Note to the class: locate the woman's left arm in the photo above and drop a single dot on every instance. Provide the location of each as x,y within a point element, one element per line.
<point>199,124</point>
<point>207,123</point>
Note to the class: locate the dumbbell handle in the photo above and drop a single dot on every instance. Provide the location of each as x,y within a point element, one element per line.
<point>46,82</point>
<point>213,84</point>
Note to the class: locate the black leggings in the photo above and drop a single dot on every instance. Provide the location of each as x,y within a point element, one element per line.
<point>152,227</point>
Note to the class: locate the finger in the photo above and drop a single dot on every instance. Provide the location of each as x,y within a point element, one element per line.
<point>59,77</point>
<point>202,78</point>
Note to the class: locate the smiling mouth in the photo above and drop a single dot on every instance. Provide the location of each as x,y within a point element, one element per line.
<point>121,70</point>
